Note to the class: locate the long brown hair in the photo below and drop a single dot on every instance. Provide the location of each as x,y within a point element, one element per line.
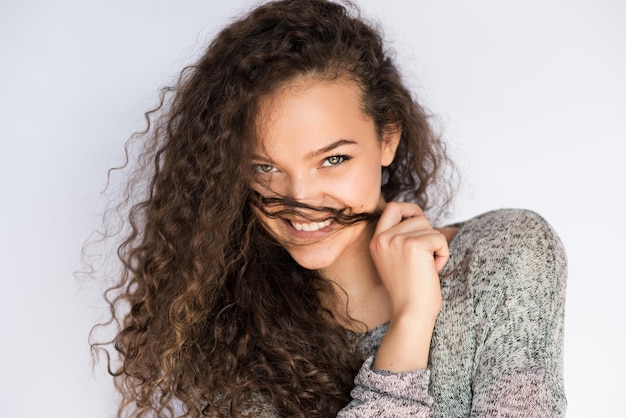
<point>212,313</point>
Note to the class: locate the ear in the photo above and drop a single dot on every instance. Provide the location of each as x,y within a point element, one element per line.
<point>390,141</point>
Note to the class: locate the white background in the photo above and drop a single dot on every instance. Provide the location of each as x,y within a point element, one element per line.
<point>531,96</point>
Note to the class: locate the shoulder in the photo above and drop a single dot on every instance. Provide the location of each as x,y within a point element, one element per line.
<point>509,240</point>
<point>504,229</point>
<point>506,222</point>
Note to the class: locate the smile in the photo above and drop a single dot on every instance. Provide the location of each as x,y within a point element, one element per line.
<point>310,226</point>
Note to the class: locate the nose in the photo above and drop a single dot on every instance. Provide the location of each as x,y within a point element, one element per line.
<point>303,188</point>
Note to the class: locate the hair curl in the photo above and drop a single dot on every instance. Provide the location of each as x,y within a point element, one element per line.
<point>211,311</point>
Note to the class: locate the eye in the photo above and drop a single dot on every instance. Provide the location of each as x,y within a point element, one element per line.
<point>335,160</point>
<point>264,168</point>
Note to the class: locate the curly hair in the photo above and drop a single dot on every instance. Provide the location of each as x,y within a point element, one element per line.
<point>211,311</point>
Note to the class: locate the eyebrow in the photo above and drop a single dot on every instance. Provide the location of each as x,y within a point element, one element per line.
<point>329,148</point>
<point>316,153</point>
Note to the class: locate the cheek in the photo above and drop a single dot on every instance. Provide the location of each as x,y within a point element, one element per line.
<point>271,186</point>
<point>361,191</point>
<point>271,226</point>
<point>262,185</point>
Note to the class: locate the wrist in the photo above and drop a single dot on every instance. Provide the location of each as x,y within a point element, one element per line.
<point>406,345</point>
<point>413,313</point>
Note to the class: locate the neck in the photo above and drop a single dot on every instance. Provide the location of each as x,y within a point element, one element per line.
<point>361,301</point>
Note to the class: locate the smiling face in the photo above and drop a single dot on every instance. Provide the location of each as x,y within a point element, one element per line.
<point>315,145</point>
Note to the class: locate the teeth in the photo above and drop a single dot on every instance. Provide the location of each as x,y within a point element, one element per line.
<point>310,227</point>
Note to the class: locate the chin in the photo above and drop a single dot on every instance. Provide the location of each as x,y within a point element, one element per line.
<point>311,259</point>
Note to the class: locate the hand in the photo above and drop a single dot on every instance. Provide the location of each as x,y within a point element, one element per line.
<point>409,253</point>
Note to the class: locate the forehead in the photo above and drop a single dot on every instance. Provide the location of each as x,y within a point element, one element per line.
<point>311,111</point>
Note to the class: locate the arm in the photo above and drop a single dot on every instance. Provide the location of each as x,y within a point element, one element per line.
<point>380,393</point>
<point>408,253</point>
<point>519,370</point>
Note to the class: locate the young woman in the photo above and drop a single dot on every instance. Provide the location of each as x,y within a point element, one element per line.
<point>281,263</point>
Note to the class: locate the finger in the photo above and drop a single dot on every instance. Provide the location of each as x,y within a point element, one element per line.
<point>395,212</point>
<point>408,225</point>
<point>442,255</point>
<point>430,241</point>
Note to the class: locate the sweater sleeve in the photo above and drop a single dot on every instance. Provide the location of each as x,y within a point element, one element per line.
<point>380,393</point>
<point>519,306</point>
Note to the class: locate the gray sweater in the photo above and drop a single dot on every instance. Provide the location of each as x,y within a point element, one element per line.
<point>496,350</point>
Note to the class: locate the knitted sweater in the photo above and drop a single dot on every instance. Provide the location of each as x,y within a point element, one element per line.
<point>496,350</point>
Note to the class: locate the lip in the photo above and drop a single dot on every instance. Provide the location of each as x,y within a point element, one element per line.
<point>309,235</point>
<point>306,220</point>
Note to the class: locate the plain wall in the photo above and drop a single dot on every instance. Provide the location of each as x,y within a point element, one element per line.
<point>531,97</point>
